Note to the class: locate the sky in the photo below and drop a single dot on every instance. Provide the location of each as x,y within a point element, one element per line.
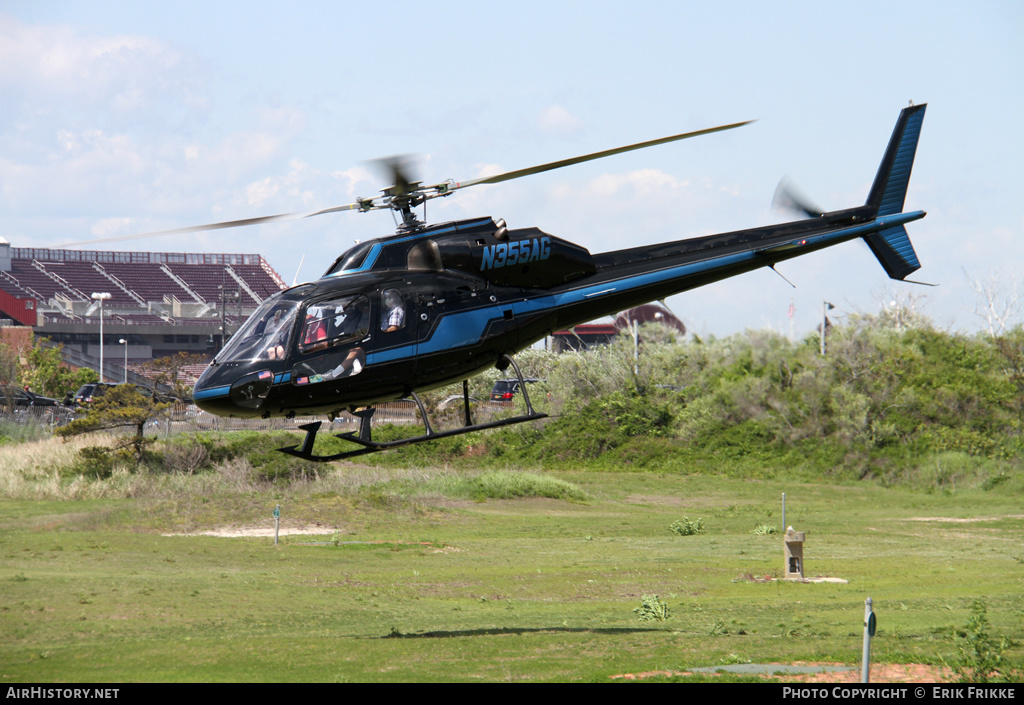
<point>128,117</point>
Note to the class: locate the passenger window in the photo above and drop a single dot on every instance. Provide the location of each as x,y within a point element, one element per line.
<point>392,311</point>
<point>334,322</point>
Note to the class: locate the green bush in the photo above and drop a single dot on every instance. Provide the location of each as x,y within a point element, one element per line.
<point>685,527</point>
<point>651,609</point>
<point>510,485</point>
<point>981,657</point>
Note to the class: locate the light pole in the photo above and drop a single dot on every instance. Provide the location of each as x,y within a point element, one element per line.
<point>825,308</point>
<point>101,298</point>
<point>125,344</point>
<point>225,297</point>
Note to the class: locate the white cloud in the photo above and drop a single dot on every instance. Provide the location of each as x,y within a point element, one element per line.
<point>124,72</point>
<point>350,178</point>
<point>112,227</point>
<point>556,120</point>
<point>639,183</point>
<point>261,191</point>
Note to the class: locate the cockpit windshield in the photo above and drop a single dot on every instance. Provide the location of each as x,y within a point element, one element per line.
<point>265,336</point>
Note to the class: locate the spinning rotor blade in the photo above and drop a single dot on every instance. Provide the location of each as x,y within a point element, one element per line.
<point>218,226</point>
<point>407,192</point>
<point>398,170</point>
<point>788,198</point>
<point>585,158</point>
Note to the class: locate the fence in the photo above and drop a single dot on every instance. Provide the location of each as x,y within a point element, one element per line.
<point>34,423</point>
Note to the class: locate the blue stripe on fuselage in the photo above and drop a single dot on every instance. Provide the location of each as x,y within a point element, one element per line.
<point>374,253</point>
<point>467,328</point>
<point>211,392</point>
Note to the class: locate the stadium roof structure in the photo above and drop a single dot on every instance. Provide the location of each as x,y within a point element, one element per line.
<point>603,331</point>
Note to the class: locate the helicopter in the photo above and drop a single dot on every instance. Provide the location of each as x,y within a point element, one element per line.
<point>433,305</point>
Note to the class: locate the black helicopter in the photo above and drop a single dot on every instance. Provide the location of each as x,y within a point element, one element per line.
<point>433,305</point>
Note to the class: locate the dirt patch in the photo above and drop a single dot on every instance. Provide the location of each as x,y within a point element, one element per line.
<point>751,578</point>
<point>664,500</point>
<point>262,532</point>
<point>881,673</point>
<point>448,549</point>
<point>970,520</point>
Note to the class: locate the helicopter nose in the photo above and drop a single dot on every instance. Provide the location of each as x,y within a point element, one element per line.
<point>243,398</point>
<point>250,391</point>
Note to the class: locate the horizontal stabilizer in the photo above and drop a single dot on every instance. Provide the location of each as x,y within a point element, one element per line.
<point>894,251</point>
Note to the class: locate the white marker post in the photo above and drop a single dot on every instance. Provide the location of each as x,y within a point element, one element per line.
<point>785,565</point>
<point>277,522</point>
<point>869,631</point>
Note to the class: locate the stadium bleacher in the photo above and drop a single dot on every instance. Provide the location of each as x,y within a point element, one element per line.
<point>160,302</point>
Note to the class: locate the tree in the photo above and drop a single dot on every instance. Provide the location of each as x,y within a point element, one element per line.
<point>998,303</point>
<point>125,405</point>
<point>1011,348</point>
<point>9,366</point>
<point>167,371</point>
<point>44,371</point>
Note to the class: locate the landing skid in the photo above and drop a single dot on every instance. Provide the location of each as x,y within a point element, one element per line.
<point>363,437</point>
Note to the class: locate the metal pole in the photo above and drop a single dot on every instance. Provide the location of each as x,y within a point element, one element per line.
<point>785,568</point>
<point>825,308</point>
<point>634,328</point>
<point>277,522</point>
<point>823,319</point>
<point>101,340</point>
<point>125,344</point>
<point>101,297</point>
<point>223,313</point>
<point>866,653</point>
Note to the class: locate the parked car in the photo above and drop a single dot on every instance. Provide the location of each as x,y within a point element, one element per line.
<point>9,394</point>
<point>504,390</point>
<point>88,393</point>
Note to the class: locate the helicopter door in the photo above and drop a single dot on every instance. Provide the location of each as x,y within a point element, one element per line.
<point>332,340</point>
<point>443,334</point>
<point>394,327</point>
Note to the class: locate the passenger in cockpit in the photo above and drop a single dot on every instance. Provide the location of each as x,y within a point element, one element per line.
<point>394,319</point>
<point>336,324</point>
<point>314,335</point>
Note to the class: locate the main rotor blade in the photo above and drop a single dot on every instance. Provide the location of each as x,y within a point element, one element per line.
<point>217,226</point>
<point>588,157</point>
<point>398,170</point>
<point>404,185</point>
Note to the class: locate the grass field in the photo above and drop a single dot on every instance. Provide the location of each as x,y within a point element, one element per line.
<point>467,587</point>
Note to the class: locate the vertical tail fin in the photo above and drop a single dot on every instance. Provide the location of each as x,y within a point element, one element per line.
<point>892,246</point>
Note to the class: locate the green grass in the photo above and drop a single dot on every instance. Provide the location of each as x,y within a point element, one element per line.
<point>524,588</point>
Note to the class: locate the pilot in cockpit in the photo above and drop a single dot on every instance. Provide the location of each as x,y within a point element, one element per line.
<point>274,332</point>
<point>350,323</point>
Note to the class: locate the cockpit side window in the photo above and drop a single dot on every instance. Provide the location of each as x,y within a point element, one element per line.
<point>392,311</point>
<point>334,322</point>
<point>331,339</point>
